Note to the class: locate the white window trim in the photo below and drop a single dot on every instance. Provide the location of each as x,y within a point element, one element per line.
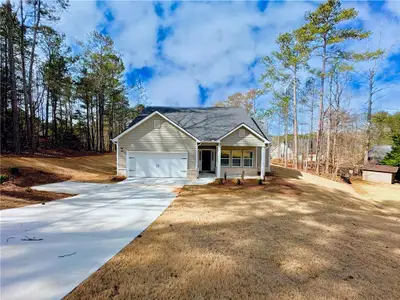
<point>241,159</point>
<point>252,159</point>
<point>229,159</point>
<point>242,133</point>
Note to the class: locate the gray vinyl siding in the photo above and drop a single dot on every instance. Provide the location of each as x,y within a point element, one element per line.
<point>167,138</point>
<point>235,140</point>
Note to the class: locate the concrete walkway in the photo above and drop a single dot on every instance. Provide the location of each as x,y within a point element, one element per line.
<point>47,250</point>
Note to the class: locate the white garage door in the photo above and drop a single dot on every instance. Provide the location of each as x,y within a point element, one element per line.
<point>154,164</point>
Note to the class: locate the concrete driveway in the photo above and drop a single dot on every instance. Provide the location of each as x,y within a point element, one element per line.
<point>47,250</point>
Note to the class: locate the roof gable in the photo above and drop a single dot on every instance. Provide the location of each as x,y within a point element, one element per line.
<point>148,117</point>
<point>240,126</point>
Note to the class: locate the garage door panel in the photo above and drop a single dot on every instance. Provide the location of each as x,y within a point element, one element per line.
<point>153,164</point>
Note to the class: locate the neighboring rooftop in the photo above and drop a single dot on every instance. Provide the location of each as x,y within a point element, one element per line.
<point>380,168</point>
<point>378,152</point>
<point>206,124</point>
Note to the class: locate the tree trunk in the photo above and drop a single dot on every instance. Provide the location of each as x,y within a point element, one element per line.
<point>92,127</point>
<point>286,139</point>
<point>23,71</point>
<point>279,139</point>
<point>47,113</point>
<point>54,117</point>
<point>4,89</point>
<point>13,85</point>
<point>97,123</point>
<point>369,116</point>
<point>321,109</point>
<point>296,151</point>
<point>37,15</point>
<point>328,136</point>
<point>111,131</point>
<point>88,141</point>
<point>101,121</point>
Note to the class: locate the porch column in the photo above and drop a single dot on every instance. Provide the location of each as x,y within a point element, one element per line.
<point>197,159</point>
<point>218,162</point>
<point>262,173</point>
<point>268,159</point>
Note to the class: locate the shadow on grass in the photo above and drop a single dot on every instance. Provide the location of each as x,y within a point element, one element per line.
<point>283,241</point>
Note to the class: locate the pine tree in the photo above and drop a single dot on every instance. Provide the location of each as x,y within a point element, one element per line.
<point>324,32</point>
<point>293,55</point>
<point>393,157</point>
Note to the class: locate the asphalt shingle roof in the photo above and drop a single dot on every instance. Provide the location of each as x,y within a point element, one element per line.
<point>206,124</point>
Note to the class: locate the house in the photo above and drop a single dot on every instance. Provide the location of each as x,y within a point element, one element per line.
<point>377,153</point>
<point>379,173</point>
<point>185,142</point>
<point>279,151</point>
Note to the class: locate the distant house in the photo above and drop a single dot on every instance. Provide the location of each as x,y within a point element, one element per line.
<point>279,151</point>
<point>377,153</point>
<point>379,173</point>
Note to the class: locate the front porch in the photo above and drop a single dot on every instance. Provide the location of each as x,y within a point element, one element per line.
<point>216,160</point>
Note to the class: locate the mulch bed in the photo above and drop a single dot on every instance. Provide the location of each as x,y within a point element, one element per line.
<point>270,184</point>
<point>26,177</point>
<point>17,191</point>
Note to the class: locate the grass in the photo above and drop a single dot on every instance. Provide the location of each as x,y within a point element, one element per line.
<point>12,197</point>
<point>290,238</point>
<point>90,168</point>
<point>36,170</point>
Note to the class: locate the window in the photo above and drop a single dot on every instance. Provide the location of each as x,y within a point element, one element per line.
<point>225,156</point>
<point>157,124</point>
<point>242,133</point>
<point>248,157</point>
<point>236,158</point>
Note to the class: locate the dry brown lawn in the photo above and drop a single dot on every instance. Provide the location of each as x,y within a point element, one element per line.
<point>36,170</point>
<point>90,168</point>
<point>288,239</point>
<point>377,191</point>
<point>12,196</point>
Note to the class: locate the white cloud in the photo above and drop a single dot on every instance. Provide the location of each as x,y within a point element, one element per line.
<point>173,90</point>
<point>394,6</point>
<point>135,30</point>
<point>211,44</point>
<point>79,20</point>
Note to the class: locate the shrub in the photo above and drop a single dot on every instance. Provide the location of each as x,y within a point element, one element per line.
<point>225,175</point>
<point>220,181</point>
<point>14,171</point>
<point>242,175</point>
<point>118,178</point>
<point>236,181</point>
<point>260,181</point>
<point>3,178</point>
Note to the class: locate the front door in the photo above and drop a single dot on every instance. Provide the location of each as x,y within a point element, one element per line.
<point>206,160</point>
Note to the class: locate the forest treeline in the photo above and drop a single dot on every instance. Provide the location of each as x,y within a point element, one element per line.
<point>51,97</point>
<point>308,82</point>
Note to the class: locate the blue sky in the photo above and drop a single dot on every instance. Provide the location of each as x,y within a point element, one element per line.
<point>197,53</point>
